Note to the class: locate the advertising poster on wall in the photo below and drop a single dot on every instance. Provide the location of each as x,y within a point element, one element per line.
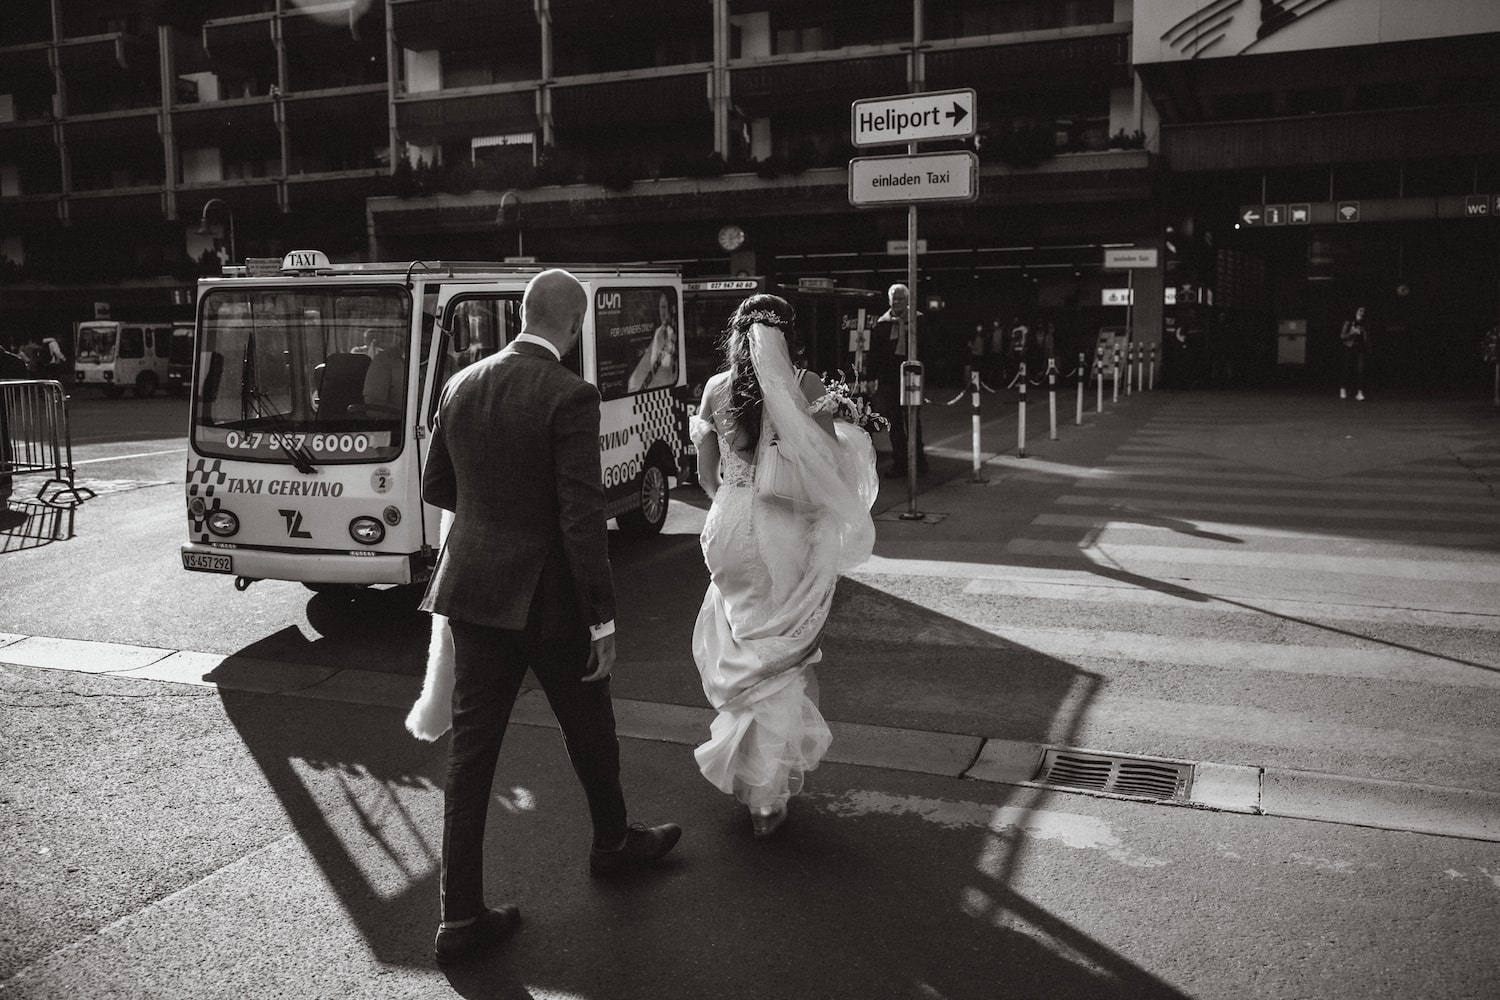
<point>636,332</point>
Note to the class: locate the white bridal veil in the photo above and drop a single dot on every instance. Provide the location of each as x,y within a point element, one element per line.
<point>836,477</point>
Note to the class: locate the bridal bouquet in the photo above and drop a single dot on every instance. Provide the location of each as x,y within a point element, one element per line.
<point>841,400</point>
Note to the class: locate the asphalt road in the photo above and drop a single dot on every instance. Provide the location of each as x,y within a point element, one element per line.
<point>1266,581</point>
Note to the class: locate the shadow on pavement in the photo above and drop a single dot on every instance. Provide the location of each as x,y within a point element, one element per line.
<point>29,524</point>
<point>843,903</point>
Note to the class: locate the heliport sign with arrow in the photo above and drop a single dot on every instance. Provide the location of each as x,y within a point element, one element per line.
<point>886,121</point>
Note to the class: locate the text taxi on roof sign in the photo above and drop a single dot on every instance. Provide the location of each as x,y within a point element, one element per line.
<point>315,386</point>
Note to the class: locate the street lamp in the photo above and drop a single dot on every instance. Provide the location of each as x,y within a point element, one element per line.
<point>203,222</point>
<point>500,217</point>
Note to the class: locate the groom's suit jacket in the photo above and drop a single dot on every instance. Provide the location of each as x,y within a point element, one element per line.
<point>515,456</point>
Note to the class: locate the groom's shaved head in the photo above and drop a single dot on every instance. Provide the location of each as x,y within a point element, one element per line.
<point>553,303</point>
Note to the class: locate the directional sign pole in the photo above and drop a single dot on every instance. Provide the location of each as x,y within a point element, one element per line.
<point>911,414</point>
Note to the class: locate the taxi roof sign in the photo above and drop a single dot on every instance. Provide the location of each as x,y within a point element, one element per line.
<point>263,267</point>
<point>305,260</point>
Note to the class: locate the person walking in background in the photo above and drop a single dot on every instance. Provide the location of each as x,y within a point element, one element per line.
<point>888,351</point>
<point>775,543</point>
<point>1355,336</point>
<point>524,582</point>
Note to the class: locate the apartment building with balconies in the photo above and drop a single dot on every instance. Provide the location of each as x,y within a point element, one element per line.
<point>143,142</point>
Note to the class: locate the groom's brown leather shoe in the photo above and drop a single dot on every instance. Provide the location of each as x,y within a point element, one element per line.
<point>454,944</point>
<point>642,846</point>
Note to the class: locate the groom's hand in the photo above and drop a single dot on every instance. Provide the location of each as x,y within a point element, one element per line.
<point>601,658</point>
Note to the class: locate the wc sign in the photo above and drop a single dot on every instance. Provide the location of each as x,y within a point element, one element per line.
<point>1481,206</point>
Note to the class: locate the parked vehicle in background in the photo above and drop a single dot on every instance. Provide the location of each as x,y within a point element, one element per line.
<point>180,357</point>
<point>315,387</point>
<point>115,355</point>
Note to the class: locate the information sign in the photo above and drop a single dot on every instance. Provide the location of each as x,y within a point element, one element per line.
<point>900,180</point>
<point>885,121</point>
<point>1130,257</point>
<point>899,247</point>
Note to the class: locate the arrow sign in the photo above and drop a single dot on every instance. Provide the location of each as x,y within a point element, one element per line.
<point>942,114</point>
<point>1251,216</point>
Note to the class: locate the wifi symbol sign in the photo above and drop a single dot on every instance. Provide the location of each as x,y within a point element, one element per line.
<point>1348,211</point>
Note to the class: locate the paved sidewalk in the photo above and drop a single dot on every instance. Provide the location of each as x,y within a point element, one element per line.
<point>975,535</point>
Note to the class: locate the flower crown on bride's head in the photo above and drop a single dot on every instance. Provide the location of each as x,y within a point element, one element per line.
<point>764,316</point>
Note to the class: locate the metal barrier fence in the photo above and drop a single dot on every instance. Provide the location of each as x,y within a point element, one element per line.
<point>34,440</point>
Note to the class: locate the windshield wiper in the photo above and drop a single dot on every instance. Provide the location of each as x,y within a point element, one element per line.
<point>268,411</point>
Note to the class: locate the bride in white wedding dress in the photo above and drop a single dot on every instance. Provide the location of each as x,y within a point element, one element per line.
<point>774,555</point>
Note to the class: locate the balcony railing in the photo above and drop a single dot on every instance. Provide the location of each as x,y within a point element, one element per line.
<point>439,24</point>
<point>632,99</point>
<point>423,118</point>
<point>771,87</point>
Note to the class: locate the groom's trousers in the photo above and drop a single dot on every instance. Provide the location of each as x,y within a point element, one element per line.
<point>489,665</point>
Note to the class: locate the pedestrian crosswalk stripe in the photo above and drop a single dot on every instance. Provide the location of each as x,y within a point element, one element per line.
<point>1456,499</point>
<point>1228,600</point>
<point>1122,555</point>
<point>1235,529</point>
<point>1401,514</point>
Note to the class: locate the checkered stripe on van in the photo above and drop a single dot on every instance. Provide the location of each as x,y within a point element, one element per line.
<point>661,418</point>
<point>203,478</point>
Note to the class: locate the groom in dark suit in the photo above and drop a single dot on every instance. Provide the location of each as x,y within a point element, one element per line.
<point>524,580</point>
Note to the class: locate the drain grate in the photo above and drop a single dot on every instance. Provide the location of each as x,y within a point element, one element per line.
<point>1140,776</point>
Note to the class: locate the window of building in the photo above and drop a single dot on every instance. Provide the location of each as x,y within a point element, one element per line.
<point>798,40</point>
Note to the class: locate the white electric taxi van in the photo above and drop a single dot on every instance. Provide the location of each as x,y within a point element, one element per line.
<point>114,356</point>
<point>315,387</point>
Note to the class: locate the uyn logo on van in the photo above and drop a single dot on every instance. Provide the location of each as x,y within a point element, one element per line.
<point>607,300</point>
<point>294,524</point>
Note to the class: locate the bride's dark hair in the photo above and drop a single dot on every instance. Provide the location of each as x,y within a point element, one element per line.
<point>745,400</point>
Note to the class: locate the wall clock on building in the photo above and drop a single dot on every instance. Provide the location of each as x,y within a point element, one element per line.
<point>731,238</point>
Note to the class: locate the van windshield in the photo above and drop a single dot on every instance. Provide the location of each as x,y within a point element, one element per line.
<point>305,375</point>
<point>182,347</point>
<point>96,344</point>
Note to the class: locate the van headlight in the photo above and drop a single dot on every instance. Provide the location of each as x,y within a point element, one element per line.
<point>223,523</point>
<point>367,530</point>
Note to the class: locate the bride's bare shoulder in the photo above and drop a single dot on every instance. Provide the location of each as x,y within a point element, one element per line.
<point>716,391</point>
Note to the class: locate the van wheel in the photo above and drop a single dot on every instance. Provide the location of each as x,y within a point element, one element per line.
<point>654,491</point>
<point>145,385</point>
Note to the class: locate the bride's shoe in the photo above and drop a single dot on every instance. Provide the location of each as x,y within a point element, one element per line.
<point>767,822</point>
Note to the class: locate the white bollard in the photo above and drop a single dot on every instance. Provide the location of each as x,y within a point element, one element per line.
<point>1098,380</point>
<point>1021,422</point>
<point>975,423</point>
<point>1052,399</point>
<point>1153,367</point>
<point>1114,376</point>
<point>1082,375</point>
